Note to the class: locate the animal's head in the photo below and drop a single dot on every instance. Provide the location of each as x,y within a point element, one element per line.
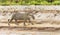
<point>32,15</point>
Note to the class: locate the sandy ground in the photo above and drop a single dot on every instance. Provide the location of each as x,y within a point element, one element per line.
<point>8,31</point>
<point>5,31</point>
<point>15,31</point>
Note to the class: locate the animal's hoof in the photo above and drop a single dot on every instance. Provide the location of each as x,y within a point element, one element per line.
<point>24,24</point>
<point>39,23</point>
<point>32,24</point>
<point>17,24</point>
<point>8,19</point>
<point>28,24</point>
<point>8,24</point>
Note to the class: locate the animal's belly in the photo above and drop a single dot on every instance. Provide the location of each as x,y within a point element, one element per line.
<point>19,18</point>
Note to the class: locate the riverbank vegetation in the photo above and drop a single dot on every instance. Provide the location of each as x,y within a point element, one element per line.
<point>29,2</point>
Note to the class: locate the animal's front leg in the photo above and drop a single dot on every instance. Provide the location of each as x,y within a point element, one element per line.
<point>30,21</point>
<point>16,22</point>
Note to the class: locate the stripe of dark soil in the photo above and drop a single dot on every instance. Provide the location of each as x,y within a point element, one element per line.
<point>32,28</point>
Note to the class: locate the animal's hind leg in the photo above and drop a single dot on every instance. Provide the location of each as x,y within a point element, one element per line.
<point>16,22</point>
<point>24,22</point>
<point>9,22</point>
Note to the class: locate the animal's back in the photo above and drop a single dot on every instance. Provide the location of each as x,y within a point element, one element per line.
<point>19,16</point>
